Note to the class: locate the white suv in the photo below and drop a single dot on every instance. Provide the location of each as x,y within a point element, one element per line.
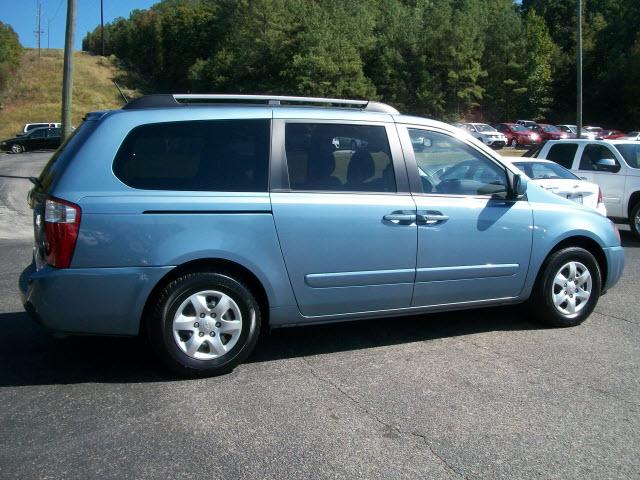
<point>486,134</point>
<point>612,164</point>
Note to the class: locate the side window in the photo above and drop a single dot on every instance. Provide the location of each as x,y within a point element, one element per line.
<point>38,134</point>
<point>563,153</point>
<point>219,155</point>
<point>449,166</point>
<point>591,154</point>
<point>339,157</point>
<point>631,153</point>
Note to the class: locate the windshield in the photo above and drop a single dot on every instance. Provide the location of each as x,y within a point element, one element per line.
<point>518,128</point>
<point>551,128</point>
<point>545,171</point>
<point>631,153</point>
<point>483,127</point>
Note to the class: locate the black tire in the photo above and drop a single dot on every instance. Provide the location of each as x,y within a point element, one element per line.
<point>635,225</point>
<point>160,324</point>
<point>514,143</point>
<point>541,303</point>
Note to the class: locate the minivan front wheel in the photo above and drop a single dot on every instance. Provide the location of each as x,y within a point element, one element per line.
<point>567,289</point>
<point>204,324</point>
<point>17,148</point>
<point>634,221</point>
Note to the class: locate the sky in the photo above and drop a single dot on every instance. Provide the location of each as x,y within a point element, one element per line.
<point>21,15</point>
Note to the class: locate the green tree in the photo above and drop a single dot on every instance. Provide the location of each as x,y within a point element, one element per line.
<point>540,51</point>
<point>10,53</point>
<point>504,86</point>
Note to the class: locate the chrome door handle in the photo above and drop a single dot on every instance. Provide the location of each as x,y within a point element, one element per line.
<point>399,218</point>
<point>432,218</point>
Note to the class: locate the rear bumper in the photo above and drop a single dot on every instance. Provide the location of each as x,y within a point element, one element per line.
<point>615,266</point>
<point>106,301</point>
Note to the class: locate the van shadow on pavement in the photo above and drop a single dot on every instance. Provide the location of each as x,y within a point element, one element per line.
<point>30,355</point>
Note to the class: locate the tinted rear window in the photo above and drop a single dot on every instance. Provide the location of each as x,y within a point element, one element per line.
<point>631,153</point>
<point>563,153</point>
<point>545,171</point>
<point>229,156</point>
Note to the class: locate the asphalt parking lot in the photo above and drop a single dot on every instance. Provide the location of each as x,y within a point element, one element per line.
<point>475,394</point>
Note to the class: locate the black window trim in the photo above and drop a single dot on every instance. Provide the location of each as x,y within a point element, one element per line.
<point>412,164</point>
<point>280,173</point>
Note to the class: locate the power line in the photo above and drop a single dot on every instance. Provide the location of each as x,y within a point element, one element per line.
<point>57,10</point>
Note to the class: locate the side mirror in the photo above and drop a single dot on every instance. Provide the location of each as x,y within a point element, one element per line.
<point>608,165</point>
<point>518,187</point>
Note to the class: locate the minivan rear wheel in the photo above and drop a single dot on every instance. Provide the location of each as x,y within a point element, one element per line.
<point>204,324</point>
<point>567,289</point>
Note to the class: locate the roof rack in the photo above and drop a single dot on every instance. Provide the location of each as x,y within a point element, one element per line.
<point>190,99</point>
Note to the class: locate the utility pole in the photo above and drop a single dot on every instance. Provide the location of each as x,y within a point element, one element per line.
<point>67,74</point>
<point>39,30</point>
<point>579,65</point>
<point>102,25</point>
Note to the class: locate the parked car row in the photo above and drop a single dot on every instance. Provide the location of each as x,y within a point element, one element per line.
<point>525,133</point>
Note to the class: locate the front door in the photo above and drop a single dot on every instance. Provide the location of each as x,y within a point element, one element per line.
<point>344,216</point>
<point>473,244</point>
<point>612,183</point>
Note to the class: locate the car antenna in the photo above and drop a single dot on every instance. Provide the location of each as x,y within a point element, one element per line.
<point>124,97</point>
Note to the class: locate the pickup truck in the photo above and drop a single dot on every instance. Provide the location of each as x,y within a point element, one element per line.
<point>614,165</point>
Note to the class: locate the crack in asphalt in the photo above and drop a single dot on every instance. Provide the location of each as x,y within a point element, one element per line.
<point>566,379</point>
<point>615,317</point>
<point>389,426</point>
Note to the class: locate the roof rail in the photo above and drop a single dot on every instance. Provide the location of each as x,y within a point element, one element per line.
<point>185,99</point>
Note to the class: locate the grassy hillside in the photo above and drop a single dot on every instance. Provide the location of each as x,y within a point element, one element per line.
<point>34,93</point>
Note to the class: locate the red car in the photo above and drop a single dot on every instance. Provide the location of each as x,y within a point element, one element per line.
<point>517,135</point>
<point>550,132</point>
<point>612,134</point>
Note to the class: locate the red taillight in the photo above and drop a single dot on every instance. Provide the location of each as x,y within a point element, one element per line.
<point>600,200</point>
<point>61,226</point>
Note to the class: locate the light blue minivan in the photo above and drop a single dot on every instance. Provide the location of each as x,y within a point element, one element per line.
<point>202,219</point>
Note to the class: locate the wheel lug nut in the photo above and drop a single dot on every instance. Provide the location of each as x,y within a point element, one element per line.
<point>201,334</point>
<point>213,315</point>
<point>196,325</point>
<point>213,334</point>
<point>218,324</point>
<point>202,315</point>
